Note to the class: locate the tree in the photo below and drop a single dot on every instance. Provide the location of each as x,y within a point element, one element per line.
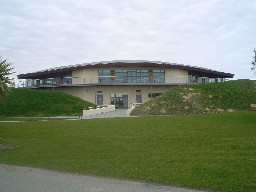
<point>254,62</point>
<point>5,71</point>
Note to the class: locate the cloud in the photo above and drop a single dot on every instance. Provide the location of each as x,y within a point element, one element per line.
<point>36,35</point>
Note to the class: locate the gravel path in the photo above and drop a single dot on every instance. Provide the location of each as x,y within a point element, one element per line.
<point>25,179</point>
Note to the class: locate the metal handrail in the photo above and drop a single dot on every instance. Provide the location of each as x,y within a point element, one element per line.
<point>117,80</point>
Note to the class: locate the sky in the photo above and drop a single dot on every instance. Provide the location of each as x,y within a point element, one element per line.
<point>216,34</point>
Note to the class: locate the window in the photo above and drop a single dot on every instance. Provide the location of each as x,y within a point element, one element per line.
<point>144,76</point>
<point>131,76</point>
<point>158,76</point>
<point>203,80</point>
<point>56,81</point>
<point>68,80</point>
<point>152,95</point>
<point>104,76</point>
<point>121,76</point>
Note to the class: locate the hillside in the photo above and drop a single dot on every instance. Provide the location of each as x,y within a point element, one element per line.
<point>29,102</point>
<point>202,98</point>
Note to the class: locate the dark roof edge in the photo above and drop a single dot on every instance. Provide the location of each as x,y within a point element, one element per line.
<point>65,70</point>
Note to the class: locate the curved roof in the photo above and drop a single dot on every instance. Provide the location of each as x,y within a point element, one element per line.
<point>67,70</point>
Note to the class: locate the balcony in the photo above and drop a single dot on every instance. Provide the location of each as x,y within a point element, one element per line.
<point>113,80</point>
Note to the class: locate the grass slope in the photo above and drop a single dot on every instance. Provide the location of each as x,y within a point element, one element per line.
<point>29,102</point>
<point>206,151</point>
<point>202,98</point>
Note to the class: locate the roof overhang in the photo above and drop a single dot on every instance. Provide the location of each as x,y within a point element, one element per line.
<point>65,71</point>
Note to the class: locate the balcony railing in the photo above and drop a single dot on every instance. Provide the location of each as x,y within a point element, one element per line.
<point>114,80</point>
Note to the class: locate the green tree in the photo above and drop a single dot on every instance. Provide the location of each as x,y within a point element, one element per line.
<point>254,62</point>
<point>5,71</point>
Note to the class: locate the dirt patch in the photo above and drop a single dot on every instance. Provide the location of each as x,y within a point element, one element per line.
<point>219,110</point>
<point>207,110</point>
<point>253,106</point>
<point>231,110</point>
<point>163,111</point>
<point>188,96</point>
<point>162,102</point>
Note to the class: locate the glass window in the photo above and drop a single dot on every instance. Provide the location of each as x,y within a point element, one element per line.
<point>120,76</point>
<point>152,95</point>
<point>131,76</point>
<point>104,76</point>
<point>158,76</point>
<point>67,80</point>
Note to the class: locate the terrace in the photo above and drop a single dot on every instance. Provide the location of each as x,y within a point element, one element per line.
<point>117,80</point>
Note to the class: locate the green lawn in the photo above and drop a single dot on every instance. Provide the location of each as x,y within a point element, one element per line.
<point>213,151</point>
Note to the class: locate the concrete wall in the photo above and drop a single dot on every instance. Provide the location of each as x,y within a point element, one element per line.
<point>176,76</point>
<point>85,76</point>
<point>90,93</point>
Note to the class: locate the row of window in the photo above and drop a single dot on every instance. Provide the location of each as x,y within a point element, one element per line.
<point>49,81</point>
<point>131,76</point>
<point>121,76</point>
<point>194,79</point>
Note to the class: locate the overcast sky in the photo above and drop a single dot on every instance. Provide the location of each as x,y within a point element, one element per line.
<point>216,34</point>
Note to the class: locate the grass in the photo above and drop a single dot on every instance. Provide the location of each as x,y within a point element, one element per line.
<point>29,102</point>
<point>202,98</point>
<point>207,151</point>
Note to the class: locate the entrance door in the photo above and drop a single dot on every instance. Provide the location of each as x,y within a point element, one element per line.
<point>125,101</point>
<point>119,100</point>
<point>99,99</point>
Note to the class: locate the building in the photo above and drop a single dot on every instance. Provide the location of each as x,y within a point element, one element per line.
<point>122,82</point>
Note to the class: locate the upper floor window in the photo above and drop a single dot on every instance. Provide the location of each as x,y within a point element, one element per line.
<point>158,76</point>
<point>104,76</point>
<point>121,76</point>
<point>131,76</point>
<point>68,79</point>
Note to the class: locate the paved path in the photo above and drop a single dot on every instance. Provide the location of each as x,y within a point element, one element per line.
<point>25,179</point>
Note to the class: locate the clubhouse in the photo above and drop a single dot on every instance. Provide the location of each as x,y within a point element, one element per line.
<point>121,82</point>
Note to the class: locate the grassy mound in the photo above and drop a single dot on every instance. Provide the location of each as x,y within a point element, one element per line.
<point>202,98</point>
<point>28,102</point>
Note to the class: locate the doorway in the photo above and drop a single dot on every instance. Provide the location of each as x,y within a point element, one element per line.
<point>120,100</point>
<point>99,99</point>
<point>138,98</point>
